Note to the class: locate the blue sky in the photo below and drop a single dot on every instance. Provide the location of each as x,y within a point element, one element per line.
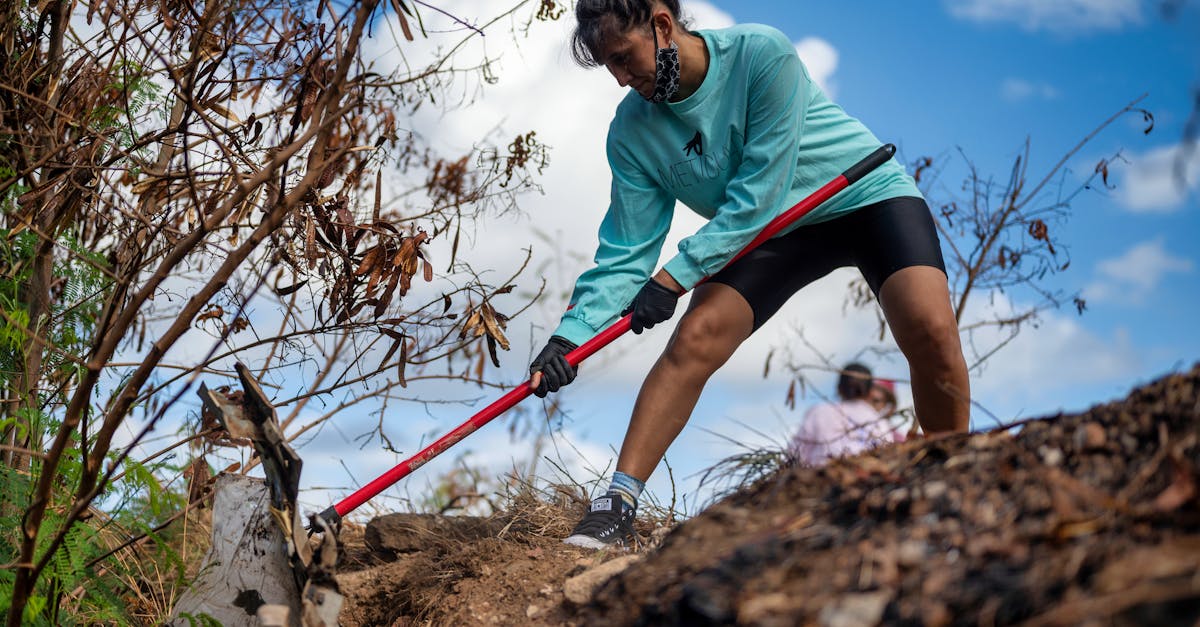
<point>932,77</point>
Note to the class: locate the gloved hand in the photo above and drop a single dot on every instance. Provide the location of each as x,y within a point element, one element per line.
<point>653,304</point>
<point>552,363</point>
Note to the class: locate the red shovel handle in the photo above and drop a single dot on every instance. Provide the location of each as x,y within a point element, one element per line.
<point>335,513</point>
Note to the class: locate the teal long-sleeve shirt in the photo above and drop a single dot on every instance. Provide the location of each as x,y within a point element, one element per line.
<point>757,137</point>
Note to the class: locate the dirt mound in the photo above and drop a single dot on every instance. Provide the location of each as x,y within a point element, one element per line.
<point>1075,519</point>
<point>510,569</point>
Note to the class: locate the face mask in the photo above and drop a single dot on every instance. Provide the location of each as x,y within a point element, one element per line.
<point>666,70</point>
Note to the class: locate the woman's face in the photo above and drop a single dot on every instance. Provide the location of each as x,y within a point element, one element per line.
<point>879,399</point>
<point>629,57</point>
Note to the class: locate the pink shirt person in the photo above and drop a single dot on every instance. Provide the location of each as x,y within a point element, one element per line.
<point>847,427</point>
<point>837,429</point>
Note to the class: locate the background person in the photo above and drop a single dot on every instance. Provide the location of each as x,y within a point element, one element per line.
<point>883,398</point>
<point>848,426</point>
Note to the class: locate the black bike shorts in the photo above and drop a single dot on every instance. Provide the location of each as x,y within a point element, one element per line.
<point>880,239</point>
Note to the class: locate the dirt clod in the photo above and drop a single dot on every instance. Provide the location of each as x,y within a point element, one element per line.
<point>579,589</point>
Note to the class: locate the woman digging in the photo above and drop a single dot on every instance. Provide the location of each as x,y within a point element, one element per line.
<point>729,123</point>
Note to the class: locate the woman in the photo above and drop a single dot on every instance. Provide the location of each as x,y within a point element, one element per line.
<point>730,123</point>
<point>849,426</point>
<point>883,397</point>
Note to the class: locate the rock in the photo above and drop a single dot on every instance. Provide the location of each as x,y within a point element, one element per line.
<point>855,610</point>
<point>1050,456</point>
<point>934,489</point>
<point>760,610</point>
<point>911,553</point>
<point>274,616</point>
<point>409,533</point>
<point>1090,437</point>
<point>579,589</point>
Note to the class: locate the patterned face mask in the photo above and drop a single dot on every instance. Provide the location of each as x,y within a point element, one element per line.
<point>666,70</point>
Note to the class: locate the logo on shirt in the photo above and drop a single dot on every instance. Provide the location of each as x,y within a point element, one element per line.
<point>697,168</point>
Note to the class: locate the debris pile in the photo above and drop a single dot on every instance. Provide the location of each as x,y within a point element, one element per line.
<point>1064,521</point>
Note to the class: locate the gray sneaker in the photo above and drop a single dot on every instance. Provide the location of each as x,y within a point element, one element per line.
<point>608,523</point>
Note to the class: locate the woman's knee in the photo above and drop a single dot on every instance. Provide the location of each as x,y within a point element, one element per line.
<point>932,338</point>
<point>703,338</point>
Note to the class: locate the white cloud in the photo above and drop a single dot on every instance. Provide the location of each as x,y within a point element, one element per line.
<point>1019,90</point>
<point>1054,364</point>
<point>1060,16</point>
<point>1150,181</point>
<point>704,15</point>
<point>821,59</point>
<point>1134,275</point>
<point>819,56</point>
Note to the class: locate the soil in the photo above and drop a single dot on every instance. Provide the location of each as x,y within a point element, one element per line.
<point>1083,519</point>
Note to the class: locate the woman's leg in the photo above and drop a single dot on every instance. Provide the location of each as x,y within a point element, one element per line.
<point>916,303</point>
<point>717,321</point>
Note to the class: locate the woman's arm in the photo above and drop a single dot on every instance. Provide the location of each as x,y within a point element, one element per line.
<point>630,240</point>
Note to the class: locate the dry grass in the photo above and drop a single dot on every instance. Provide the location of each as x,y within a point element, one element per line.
<point>148,573</point>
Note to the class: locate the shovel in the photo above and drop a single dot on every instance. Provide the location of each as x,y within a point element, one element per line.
<point>333,515</point>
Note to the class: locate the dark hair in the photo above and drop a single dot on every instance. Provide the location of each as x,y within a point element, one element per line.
<point>854,382</point>
<point>594,19</point>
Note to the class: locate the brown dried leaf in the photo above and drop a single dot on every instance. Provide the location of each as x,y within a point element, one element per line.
<point>1039,231</point>
<point>327,176</point>
<point>335,293</point>
<point>370,260</point>
<point>310,242</point>
<point>403,362</point>
<point>454,247</point>
<point>376,276</point>
<point>223,112</point>
<point>922,164</point>
<point>1102,170</point>
<point>491,344</point>
<point>291,288</point>
<point>493,326</point>
<point>397,341</point>
<point>386,298</point>
<point>345,218</point>
<point>403,20</point>
<point>406,263</point>
<point>310,99</point>
<point>378,195</point>
<point>473,321</point>
<point>216,312</point>
<point>406,257</point>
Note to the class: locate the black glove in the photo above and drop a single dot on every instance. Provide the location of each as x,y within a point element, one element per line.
<point>552,363</point>
<point>653,304</point>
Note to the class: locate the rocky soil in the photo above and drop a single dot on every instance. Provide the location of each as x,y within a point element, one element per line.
<point>1087,519</point>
